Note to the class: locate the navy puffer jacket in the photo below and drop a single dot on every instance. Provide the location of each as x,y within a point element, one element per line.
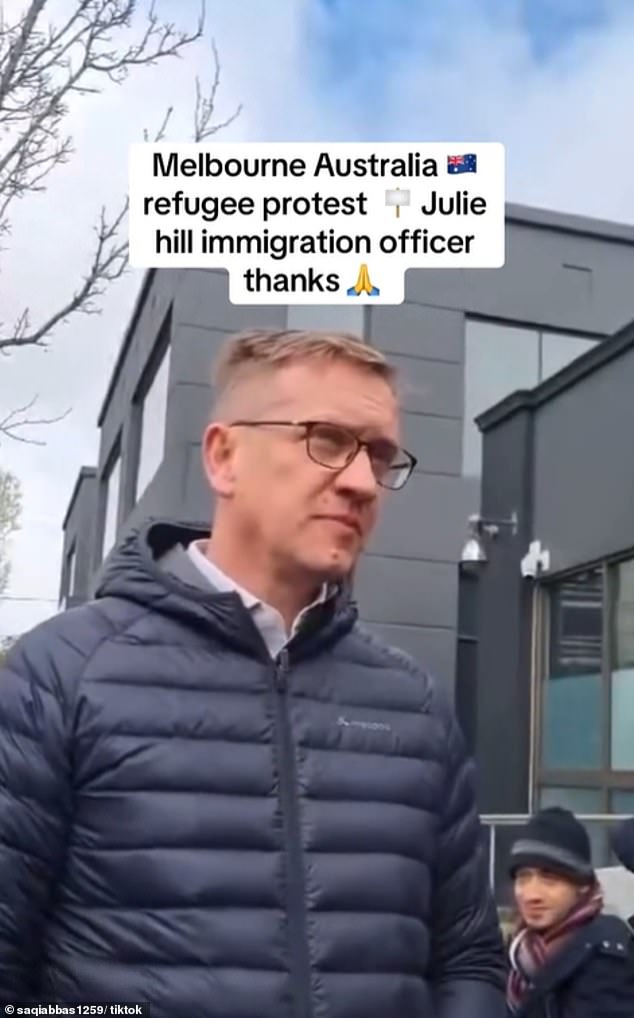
<point>186,823</point>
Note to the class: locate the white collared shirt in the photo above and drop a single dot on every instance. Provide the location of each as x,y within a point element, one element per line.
<point>268,620</point>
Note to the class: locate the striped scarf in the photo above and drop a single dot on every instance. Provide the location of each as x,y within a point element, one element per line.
<point>530,950</point>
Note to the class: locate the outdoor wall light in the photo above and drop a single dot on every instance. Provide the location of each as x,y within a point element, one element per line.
<point>482,529</point>
<point>536,561</point>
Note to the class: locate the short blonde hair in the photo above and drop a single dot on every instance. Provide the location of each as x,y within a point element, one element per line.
<point>249,353</point>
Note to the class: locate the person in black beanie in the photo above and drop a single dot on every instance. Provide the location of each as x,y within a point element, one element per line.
<point>568,959</point>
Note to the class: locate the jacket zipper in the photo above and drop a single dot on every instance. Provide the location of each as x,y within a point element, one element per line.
<point>296,900</point>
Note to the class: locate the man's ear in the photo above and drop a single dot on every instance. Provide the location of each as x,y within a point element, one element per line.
<point>218,456</point>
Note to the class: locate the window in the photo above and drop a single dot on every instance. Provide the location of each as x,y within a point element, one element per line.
<point>582,801</point>
<point>345,318</point>
<point>153,419</point>
<point>622,667</point>
<point>71,564</point>
<point>623,803</point>
<point>68,577</point>
<point>111,520</point>
<point>572,689</point>
<point>586,759</point>
<point>500,359</point>
<point>578,800</point>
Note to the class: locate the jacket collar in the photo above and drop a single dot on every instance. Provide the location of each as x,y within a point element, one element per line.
<point>132,572</point>
<point>603,931</point>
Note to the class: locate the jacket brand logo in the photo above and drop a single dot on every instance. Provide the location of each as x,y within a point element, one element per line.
<point>369,726</point>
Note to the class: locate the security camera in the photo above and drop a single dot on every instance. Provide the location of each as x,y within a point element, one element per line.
<point>473,555</point>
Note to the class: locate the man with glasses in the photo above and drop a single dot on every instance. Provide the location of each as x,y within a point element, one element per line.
<point>221,796</point>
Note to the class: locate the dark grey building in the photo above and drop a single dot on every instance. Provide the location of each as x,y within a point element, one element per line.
<point>463,339</point>
<point>79,540</point>
<point>556,620</point>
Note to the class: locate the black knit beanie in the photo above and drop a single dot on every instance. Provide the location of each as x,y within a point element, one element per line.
<point>554,840</point>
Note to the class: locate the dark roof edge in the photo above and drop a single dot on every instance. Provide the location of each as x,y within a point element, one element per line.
<point>85,473</point>
<point>127,339</point>
<point>568,222</point>
<point>589,362</point>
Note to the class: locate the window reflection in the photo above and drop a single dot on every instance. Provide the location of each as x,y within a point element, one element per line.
<point>572,698</point>
<point>623,803</point>
<point>587,675</point>
<point>70,571</point>
<point>112,505</point>
<point>153,424</point>
<point>622,667</point>
<point>577,800</point>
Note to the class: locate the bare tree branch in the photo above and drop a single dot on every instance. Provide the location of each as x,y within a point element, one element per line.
<point>12,425</point>
<point>206,105</point>
<point>40,70</point>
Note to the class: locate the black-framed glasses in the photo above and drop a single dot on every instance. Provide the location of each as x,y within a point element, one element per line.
<point>333,446</point>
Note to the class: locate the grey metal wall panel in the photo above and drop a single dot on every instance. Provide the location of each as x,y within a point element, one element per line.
<point>333,317</point>
<point>424,331</point>
<point>187,413</point>
<point>584,481</point>
<point>430,387</point>
<point>407,592</point>
<point>435,441</point>
<point>423,521</point>
<point>194,350</point>
<point>202,299</point>
<point>554,278</point>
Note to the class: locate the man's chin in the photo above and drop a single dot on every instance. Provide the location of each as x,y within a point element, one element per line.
<point>333,568</point>
<point>540,924</point>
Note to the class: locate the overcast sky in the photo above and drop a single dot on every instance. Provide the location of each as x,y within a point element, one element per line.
<point>552,79</point>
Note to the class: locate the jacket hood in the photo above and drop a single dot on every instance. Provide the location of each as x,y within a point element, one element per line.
<point>134,574</point>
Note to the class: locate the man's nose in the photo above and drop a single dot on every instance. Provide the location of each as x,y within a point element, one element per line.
<point>532,892</point>
<point>359,476</point>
